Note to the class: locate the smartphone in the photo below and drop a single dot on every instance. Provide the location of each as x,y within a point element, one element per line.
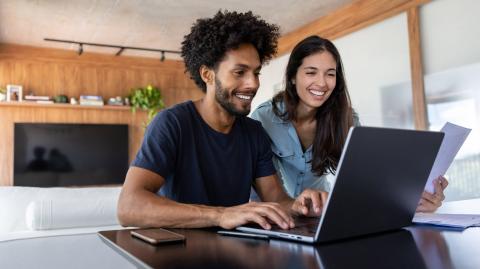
<point>158,236</point>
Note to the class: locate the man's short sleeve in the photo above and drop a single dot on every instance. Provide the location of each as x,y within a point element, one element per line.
<point>264,161</point>
<point>159,147</point>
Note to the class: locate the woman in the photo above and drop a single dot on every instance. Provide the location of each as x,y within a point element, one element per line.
<point>308,122</point>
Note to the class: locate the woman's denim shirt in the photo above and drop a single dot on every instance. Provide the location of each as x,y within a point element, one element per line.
<point>294,166</point>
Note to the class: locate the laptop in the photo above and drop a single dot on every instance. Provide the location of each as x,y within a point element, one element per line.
<point>380,178</point>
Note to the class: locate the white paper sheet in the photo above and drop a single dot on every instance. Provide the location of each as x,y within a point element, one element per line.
<point>448,220</point>
<point>454,138</point>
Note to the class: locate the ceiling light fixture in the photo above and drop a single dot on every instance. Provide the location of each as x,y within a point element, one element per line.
<point>119,51</point>
<point>120,48</point>
<point>163,56</point>
<point>80,49</point>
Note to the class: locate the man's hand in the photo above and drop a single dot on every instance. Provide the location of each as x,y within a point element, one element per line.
<point>310,203</point>
<point>261,213</point>
<point>430,202</point>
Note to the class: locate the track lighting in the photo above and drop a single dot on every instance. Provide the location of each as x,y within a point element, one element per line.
<point>120,48</point>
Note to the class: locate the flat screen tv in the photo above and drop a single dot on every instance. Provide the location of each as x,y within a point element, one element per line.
<point>48,155</point>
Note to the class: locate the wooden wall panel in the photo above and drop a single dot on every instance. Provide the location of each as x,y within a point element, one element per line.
<point>348,19</point>
<point>52,72</point>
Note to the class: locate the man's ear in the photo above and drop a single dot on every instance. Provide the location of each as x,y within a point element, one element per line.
<point>207,75</point>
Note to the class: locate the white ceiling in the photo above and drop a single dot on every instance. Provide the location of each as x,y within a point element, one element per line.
<point>159,24</point>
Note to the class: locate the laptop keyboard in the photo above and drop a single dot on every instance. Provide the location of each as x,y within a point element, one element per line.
<point>303,226</point>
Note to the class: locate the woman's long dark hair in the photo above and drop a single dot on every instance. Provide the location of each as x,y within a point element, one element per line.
<point>334,117</point>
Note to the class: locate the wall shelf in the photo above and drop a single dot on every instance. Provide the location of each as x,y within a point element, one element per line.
<point>69,106</point>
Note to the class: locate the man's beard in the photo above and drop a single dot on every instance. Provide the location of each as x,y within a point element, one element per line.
<point>222,96</point>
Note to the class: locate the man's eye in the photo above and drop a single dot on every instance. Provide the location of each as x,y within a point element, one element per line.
<point>257,74</point>
<point>239,73</point>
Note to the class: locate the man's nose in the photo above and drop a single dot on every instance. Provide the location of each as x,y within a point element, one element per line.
<point>252,82</point>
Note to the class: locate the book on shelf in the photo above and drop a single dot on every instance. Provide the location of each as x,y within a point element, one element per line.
<point>36,98</point>
<point>91,97</point>
<point>91,100</point>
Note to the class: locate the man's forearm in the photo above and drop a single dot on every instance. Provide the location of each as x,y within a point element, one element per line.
<point>146,209</point>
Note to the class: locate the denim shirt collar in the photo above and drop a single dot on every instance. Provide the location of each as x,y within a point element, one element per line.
<point>281,108</point>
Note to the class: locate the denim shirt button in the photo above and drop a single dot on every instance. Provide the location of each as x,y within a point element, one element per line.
<point>280,153</point>
<point>301,173</point>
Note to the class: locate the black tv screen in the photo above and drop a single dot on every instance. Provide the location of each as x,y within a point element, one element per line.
<point>47,155</point>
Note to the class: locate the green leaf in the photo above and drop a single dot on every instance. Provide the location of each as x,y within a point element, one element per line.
<point>148,99</point>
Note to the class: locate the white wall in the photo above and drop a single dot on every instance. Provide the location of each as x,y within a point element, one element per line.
<point>374,58</point>
<point>450,31</point>
<point>271,80</point>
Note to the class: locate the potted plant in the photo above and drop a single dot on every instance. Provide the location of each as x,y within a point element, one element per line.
<point>149,99</point>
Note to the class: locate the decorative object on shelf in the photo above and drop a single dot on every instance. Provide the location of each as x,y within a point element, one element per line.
<point>115,101</point>
<point>14,93</point>
<point>3,94</point>
<point>148,98</point>
<point>91,100</point>
<point>61,99</point>
<point>73,101</point>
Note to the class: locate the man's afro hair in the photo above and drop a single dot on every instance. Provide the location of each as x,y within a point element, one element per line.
<point>211,38</point>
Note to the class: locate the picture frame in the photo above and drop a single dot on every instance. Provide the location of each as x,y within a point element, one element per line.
<point>14,93</point>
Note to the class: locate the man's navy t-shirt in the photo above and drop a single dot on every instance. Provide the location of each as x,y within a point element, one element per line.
<point>201,165</point>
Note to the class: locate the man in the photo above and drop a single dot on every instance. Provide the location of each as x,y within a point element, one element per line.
<point>199,159</point>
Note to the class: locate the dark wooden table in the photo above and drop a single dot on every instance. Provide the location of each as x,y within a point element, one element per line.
<point>415,247</point>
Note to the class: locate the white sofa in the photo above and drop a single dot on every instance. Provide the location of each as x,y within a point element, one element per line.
<point>38,209</point>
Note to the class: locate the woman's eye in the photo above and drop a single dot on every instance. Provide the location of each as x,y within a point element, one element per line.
<point>331,75</point>
<point>311,73</point>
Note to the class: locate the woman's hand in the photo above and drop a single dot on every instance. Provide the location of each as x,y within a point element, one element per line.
<point>431,202</point>
<point>310,203</point>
